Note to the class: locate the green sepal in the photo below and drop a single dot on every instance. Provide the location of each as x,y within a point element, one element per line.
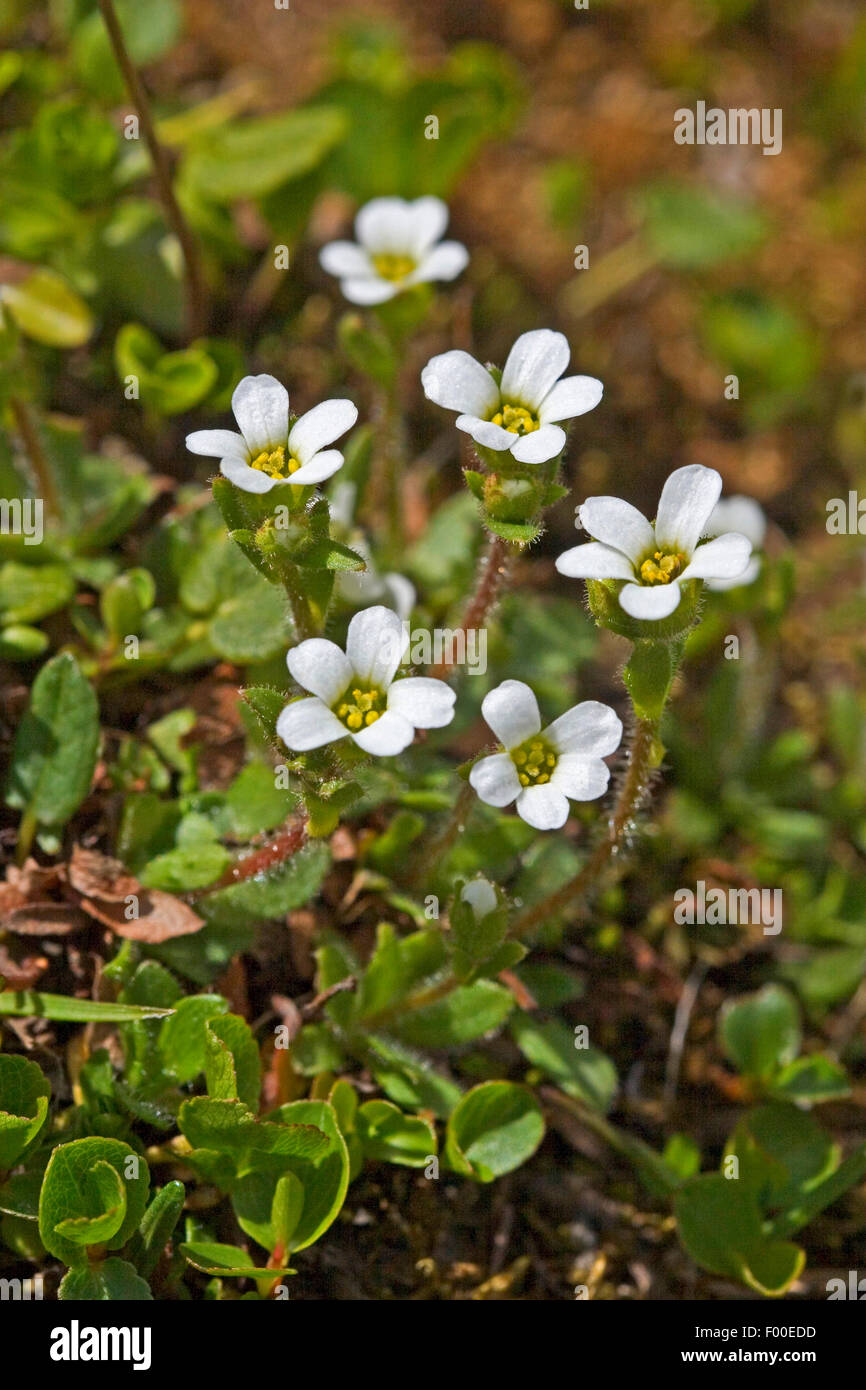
<point>604,604</point>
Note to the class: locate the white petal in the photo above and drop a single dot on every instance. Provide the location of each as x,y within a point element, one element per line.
<point>749,575</point>
<point>387,737</point>
<point>687,500</point>
<point>457,382</point>
<point>217,444</point>
<point>425,702</point>
<point>535,362</point>
<point>742,514</point>
<point>261,407</point>
<point>545,808</point>
<point>540,445</point>
<point>581,779</point>
<point>345,260</point>
<point>319,467</point>
<point>594,561</point>
<point>370,291</point>
<point>385,225</point>
<point>725,557</point>
<point>444,262</point>
<point>308,724</point>
<point>652,601</point>
<point>495,779</point>
<point>485,432</point>
<point>428,218</point>
<point>321,667</point>
<point>574,395</point>
<point>589,728</point>
<point>511,710</point>
<point>618,524</point>
<point>239,472</point>
<point>481,897</point>
<point>375,645</point>
<point>319,427</point>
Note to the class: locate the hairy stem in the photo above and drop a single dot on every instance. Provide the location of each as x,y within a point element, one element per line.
<point>195,284</point>
<point>493,572</point>
<point>632,794</point>
<point>36,455</point>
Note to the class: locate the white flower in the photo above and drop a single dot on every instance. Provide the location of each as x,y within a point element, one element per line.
<point>354,694</point>
<point>266,451</point>
<point>520,413</point>
<point>397,248</point>
<point>654,560</point>
<point>480,894</point>
<point>542,768</point>
<point>741,514</point>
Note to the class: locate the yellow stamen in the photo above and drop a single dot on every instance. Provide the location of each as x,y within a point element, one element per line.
<point>661,567</point>
<point>275,464</point>
<point>535,760</point>
<point>516,419</point>
<point>358,708</point>
<point>392,266</point>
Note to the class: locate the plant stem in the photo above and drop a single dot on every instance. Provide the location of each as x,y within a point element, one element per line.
<point>26,833</point>
<point>435,853</point>
<point>303,618</point>
<point>493,571</point>
<point>195,285</point>
<point>632,794</point>
<point>36,454</point>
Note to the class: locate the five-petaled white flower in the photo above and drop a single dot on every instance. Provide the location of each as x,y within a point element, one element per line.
<point>353,693</point>
<point>745,515</point>
<point>542,768</point>
<point>655,559</point>
<point>266,451</point>
<point>520,413</point>
<point>398,246</point>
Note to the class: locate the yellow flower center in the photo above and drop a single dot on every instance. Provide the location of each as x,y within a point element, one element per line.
<point>535,760</point>
<point>516,419</point>
<point>275,464</point>
<point>392,266</point>
<point>358,709</point>
<point>661,567</point>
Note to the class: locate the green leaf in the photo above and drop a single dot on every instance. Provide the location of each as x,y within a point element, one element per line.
<point>70,1191</point>
<point>229,1126</point>
<point>295,883</point>
<point>518,532</point>
<point>157,1225</point>
<point>267,704</point>
<point>408,1078</point>
<point>783,1152</point>
<point>250,158</point>
<point>253,802</point>
<point>585,1073</point>
<point>720,1226</point>
<point>329,554</point>
<point>24,1094</point>
<point>324,1175</point>
<point>31,592</point>
<point>690,227</point>
<point>170,382</point>
<point>761,1032</point>
<point>315,1050</point>
<point>182,1038</point>
<point>467,1013</point>
<point>63,1008</point>
<point>104,1195</point>
<point>109,1281</point>
<point>56,744</point>
<point>45,308</point>
<point>226,1261</point>
<point>185,869</point>
<point>496,1127</point>
<point>252,626</point>
<point>811,1079</point>
<point>232,1066</point>
<point>389,1136</point>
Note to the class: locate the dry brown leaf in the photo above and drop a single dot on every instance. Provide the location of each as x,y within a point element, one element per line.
<point>161,916</point>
